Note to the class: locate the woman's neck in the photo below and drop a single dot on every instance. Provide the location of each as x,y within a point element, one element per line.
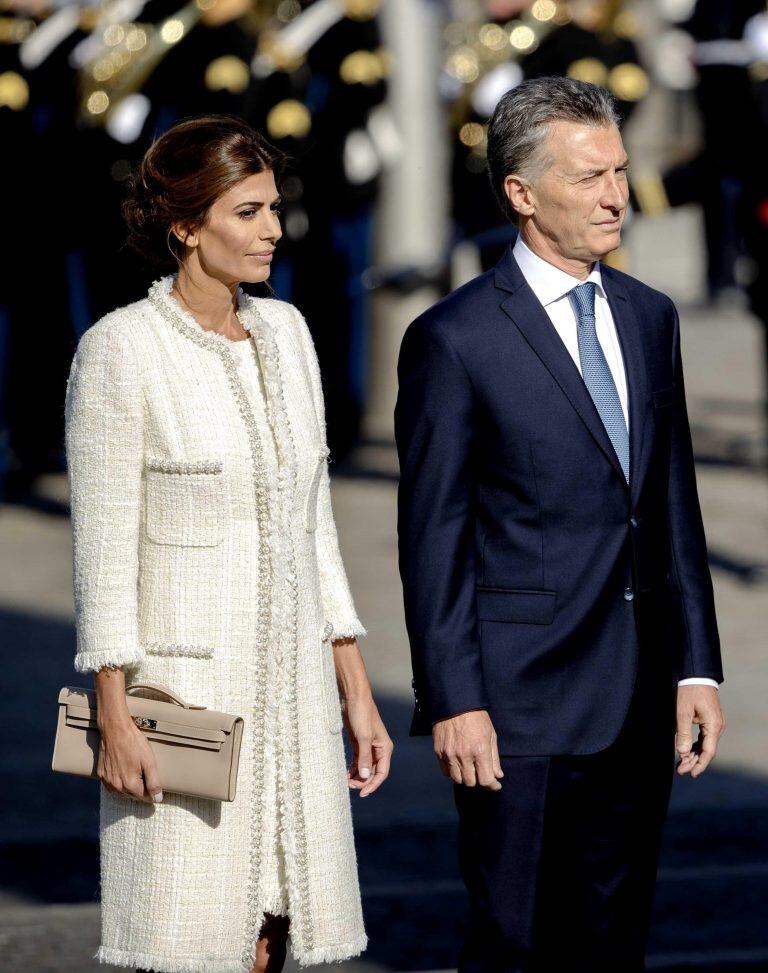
<point>212,303</point>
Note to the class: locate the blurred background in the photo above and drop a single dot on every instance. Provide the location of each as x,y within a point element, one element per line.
<point>383,108</point>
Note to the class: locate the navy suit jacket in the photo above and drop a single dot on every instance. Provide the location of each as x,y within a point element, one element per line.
<point>533,574</point>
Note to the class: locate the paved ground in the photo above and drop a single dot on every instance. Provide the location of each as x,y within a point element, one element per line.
<point>713,885</point>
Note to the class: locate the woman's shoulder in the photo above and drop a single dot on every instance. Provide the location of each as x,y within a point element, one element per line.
<point>275,310</point>
<point>120,329</point>
<point>113,329</point>
<point>283,315</point>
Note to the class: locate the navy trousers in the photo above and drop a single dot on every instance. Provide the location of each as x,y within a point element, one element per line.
<point>560,864</point>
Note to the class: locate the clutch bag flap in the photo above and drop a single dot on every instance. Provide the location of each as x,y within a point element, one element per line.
<point>196,750</point>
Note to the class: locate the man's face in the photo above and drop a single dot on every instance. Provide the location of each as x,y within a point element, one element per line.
<point>577,205</point>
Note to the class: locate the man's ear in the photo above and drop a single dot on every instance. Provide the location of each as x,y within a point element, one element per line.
<point>520,196</point>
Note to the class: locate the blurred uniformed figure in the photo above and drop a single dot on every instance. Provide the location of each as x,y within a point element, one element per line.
<point>724,53</point>
<point>36,128</point>
<point>510,40</point>
<point>755,208</point>
<point>15,129</point>
<point>321,73</point>
<point>720,51</point>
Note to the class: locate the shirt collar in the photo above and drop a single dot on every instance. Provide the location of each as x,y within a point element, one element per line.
<point>548,282</point>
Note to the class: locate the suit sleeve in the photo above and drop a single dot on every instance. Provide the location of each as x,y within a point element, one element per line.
<point>690,567</point>
<point>434,431</point>
<point>103,417</point>
<point>338,605</point>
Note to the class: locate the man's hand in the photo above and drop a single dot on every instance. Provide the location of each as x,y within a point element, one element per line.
<point>467,751</point>
<point>701,705</point>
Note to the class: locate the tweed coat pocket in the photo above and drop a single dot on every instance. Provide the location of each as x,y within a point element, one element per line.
<point>331,699</point>
<point>184,503</point>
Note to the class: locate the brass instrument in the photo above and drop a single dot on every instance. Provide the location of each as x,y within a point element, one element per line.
<point>475,48</point>
<point>128,52</point>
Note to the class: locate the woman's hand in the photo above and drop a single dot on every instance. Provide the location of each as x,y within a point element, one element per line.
<point>370,741</point>
<point>126,762</point>
<point>371,744</point>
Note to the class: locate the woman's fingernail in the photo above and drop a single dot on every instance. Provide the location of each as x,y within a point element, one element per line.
<point>365,772</point>
<point>157,797</point>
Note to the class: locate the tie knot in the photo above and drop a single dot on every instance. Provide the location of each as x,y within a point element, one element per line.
<point>583,299</point>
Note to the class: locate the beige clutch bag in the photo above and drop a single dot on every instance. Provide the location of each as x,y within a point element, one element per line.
<point>197,750</point>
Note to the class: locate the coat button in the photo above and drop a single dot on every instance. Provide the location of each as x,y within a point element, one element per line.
<point>628,594</point>
<point>633,521</point>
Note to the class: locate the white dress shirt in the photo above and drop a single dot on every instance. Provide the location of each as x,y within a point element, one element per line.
<point>551,286</point>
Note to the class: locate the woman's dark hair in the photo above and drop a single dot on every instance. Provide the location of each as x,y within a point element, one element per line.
<point>182,174</point>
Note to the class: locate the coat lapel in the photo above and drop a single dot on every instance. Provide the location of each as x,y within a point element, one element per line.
<point>523,308</point>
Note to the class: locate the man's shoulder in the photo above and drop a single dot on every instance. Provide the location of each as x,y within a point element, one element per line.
<point>638,293</point>
<point>454,314</point>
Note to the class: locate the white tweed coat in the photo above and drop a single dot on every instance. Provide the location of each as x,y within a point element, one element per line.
<point>200,564</point>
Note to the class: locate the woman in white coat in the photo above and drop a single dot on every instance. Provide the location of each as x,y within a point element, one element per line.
<point>205,558</point>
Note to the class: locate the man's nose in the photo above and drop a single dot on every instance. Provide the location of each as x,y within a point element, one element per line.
<point>615,193</point>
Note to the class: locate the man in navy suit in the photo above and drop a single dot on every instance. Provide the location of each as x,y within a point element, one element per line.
<point>557,593</point>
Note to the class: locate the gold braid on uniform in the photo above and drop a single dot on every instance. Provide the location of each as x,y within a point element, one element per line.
<point>477,47</point>
<point>129,53</point>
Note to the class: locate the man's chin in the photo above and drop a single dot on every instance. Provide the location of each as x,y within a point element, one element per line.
<point>611,240</point>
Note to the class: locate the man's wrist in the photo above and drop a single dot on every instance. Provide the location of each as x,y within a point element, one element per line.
<point>474,709</point>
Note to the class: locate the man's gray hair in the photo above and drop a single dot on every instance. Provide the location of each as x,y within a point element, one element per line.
<point>518,128</point>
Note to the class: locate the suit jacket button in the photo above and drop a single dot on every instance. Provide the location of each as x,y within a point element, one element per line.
<point>633,521</point>
<point>628,594</point>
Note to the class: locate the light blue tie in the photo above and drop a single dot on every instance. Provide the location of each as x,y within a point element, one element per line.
<point>596,373</point>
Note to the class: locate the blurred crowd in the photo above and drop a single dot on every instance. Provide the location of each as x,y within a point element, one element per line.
<point>85,87</point>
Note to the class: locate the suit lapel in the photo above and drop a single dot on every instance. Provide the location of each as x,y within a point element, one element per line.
<point>523,308</point>
<point>628,328</point>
